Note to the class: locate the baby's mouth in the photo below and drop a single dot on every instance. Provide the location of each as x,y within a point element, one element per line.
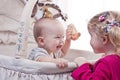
<point>59,47</point>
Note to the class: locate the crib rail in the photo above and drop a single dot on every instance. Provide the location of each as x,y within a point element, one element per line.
<point>23,69</point>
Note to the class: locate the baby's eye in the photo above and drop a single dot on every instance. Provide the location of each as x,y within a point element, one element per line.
<point>57,37</point>
<point>60,37</point>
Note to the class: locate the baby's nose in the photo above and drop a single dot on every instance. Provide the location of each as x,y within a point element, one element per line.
<point>62,41</point>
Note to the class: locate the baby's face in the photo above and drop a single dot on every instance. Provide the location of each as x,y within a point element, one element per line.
<point>54,37</point>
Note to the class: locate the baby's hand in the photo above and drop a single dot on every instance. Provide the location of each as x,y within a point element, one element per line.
<point>72,32</point>
<point>62,63</point>
<point>80,60</point>
<point>68,33</point>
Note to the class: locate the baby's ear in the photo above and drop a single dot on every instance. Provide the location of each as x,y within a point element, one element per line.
<point>40,40</point>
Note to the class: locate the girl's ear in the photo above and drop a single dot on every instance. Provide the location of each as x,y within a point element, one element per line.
<point>40,40</point>
<point>105,39</point>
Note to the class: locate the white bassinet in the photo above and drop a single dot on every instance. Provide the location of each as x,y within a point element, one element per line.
<point>23,69</point>
<point>19,68</point>
<point>12,68</point>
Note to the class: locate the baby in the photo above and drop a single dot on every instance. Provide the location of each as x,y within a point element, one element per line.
<point>49,35</point>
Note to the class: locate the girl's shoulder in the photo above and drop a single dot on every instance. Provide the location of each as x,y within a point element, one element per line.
<point>110,59</point>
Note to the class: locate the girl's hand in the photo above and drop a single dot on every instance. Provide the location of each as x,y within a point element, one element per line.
<point>80,60</point>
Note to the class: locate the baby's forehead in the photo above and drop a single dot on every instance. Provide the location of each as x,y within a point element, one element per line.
<point>48,23</point>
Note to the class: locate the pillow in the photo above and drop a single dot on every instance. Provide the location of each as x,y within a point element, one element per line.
<point>10,12</point>
<point>8,24</point>
<point>9,37</point>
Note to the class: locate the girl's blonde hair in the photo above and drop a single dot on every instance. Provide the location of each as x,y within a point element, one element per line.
<point>107,23</point>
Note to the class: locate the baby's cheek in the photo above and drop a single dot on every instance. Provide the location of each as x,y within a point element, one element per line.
<point>55,42</point>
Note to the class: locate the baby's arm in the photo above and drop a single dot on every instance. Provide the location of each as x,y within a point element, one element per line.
<point>60,62</point>
<point>71,34</point>
<point>67,44</point>
<point>67,41</point>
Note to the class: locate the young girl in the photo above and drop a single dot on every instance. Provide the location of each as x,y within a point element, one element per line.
<point>104,29</point>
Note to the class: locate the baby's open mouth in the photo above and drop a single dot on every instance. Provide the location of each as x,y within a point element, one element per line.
<point>60,46</point>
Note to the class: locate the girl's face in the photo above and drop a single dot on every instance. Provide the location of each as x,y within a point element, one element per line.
<point>96,42</point>
<point>54,39</point>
